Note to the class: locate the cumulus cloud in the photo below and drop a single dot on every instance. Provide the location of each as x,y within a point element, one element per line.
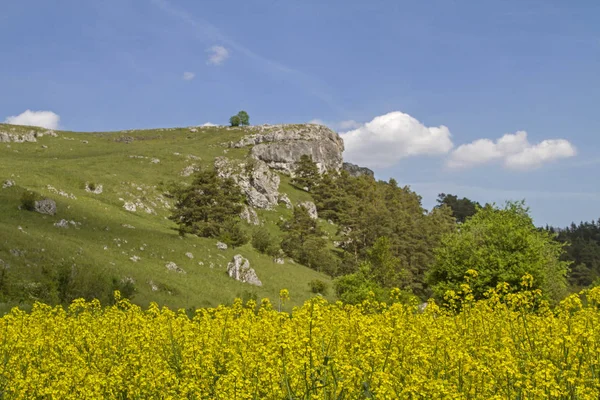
<point>188,76</point>
<point>45,119</point>
<point>209,124</point>
<point>317,122</point>
<point>217,54</point>
<point>391,137</point>
<point>513,150</point>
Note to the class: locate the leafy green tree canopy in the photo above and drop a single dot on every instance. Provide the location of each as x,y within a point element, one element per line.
<point>461,208</point>
<point>501,245</point>
<point>242,118</point>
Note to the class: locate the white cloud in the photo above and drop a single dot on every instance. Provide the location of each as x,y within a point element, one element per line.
<point>317,122</point>
<point>349,124</point>
<point>209,124</point>
<point>188,76</point>
<point>388,138</point>
<point>45,119</point>
<point>513,150</point>
<point>217,55</point>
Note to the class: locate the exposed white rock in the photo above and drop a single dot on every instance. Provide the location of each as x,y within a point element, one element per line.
<point>91,188</point>
<point>279,260</point>
<point>155,161</point>
<point>257,181</point>
<point>45,206</point>
<point>171,266</point>
<point>283,198</point>
<point>189,255</point>
<point>281,146</point>
<point>135,258</point>
<point>129,206</point>
<point>61,192</point>
<point>8,183</point>
<point>239,269</point>
<point>221,246</point>
<point>63,223</point>
<point>189,170</point>
<point>128,226</point>
<point>249,215</point>
<point>6,137</point>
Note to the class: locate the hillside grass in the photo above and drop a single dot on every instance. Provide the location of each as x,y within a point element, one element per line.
<point>108,235</point>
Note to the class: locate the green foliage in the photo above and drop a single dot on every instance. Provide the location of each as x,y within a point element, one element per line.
<point>242,118</point>
<point>357,287</point>
<point>501,245</point>
<point>461,208</point>
<point>306,173</point>
<point>233,233</point>
<point>235,120</point>
<point>304,243</point>
<point>264,242</point>
<point>367,210</point>
<point>207,206</point>
<point>387,268</point>
<point>28,199</point>
<point>582,249</point>
<point>318,286</point>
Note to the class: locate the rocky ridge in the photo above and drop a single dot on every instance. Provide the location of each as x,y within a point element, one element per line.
<point>281,146</point>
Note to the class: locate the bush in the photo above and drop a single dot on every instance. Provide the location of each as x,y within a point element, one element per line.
<point>264,242</point>
<point>318,286</point>
<point>28,199</point>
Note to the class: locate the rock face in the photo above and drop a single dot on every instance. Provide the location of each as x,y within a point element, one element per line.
<point>249,215</point>
<point>356,170</point>
<point>221,246</point>
<point>283,198</point>
<point>257,181</point>
<point>281,146</point>
<point>239,269</point>
<point>8,183</point>
<point>46,206</point>
<point>31,136</point>
<point>310,207</point>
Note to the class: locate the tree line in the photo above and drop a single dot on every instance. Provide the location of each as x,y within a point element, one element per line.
<point>385,239</point>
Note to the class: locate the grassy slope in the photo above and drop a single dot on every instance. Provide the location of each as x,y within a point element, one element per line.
<point>68,164</point>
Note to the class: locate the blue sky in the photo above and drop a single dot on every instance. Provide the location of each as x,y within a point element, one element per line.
<point>426,89</point>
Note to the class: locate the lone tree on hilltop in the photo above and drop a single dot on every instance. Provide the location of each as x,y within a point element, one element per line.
<point>242,118</point>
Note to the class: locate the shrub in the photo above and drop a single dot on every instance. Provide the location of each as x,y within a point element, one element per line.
<point>318,286</point>
<point>28,199</point>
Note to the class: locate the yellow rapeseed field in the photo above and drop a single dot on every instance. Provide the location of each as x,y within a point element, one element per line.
<point>509,346</point>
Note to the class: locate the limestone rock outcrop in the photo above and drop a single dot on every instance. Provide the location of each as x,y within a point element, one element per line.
<point>239,269</point>
<point>356,170</point>
<point>249,215</point>
<point>281,146</point>
<point>45,206</point>
<point>257,181</point>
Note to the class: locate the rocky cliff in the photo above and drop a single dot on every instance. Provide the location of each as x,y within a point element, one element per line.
<point>281,146</point>
<point>356,170</point>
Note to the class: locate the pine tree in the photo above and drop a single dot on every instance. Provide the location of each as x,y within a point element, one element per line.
<point>306,173</point>
<point>204,207</point>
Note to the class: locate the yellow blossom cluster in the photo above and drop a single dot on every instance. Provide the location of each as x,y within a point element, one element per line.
<point>508,346</point>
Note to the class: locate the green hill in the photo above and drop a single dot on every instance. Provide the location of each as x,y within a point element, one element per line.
<point>98,234</point>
